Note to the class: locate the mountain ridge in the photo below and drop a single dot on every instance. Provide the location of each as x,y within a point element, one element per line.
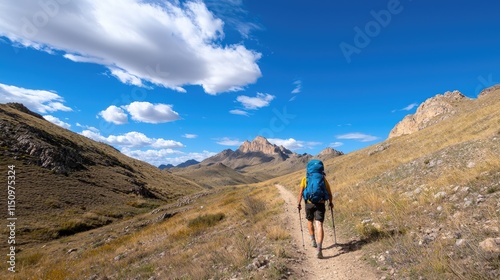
<point>255,160</point>
<point>76,183</point>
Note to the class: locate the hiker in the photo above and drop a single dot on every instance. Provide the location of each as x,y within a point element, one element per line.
<point>315,191</point>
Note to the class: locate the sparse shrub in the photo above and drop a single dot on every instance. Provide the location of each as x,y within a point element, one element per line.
<point>142,203</point>
<point>205,221</point>
<point>30,260</point>
<point>277,233</point>
<point>73,226</point>
<point>251,206</point>
<point>491,190</point>
<point>52,203</point>
<point>246,245</point>
<point>369,230</point>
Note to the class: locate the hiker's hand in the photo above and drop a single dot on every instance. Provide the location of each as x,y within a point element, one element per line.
<point>331,205</point>
<point>299,206</point>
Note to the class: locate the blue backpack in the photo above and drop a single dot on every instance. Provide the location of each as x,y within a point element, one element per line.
<point>315,190</point>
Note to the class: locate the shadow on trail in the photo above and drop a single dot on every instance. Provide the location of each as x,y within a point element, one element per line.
<point>348,247</point>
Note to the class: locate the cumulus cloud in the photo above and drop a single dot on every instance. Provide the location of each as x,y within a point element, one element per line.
<point>293,144</point>
<point>151,113</point>
<point>167,43</point>
<point>114,115</point>
<point>166,156</point>
<point>253,103</point>
<point>41,101</point>
<point>141,112</point>
<point>57,121</point>
<point>132,139</point>
<point>358,136</point>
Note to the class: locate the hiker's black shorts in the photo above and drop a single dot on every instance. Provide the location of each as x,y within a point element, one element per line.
<point>315,211</point>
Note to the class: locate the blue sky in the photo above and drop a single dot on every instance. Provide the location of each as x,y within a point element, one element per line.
<point>168,81</point>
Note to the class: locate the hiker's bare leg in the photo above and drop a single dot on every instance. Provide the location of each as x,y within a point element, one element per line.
<point>310,226</point>
<point>319,236</point>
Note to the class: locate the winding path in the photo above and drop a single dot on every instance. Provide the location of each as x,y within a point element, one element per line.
<point>341,261</point>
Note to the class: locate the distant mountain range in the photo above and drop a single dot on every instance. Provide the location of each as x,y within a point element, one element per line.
<point>180,165</point>
<point>253,161</point>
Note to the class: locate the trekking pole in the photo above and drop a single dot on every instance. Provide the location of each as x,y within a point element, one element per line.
<point>333,224</point>
<point>301,230</point>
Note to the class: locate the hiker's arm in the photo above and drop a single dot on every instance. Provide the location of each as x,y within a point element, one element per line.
<point>299,198</point>
<point>330,196</point>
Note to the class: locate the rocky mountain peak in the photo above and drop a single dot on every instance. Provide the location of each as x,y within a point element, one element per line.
<point>330,151</point>
<point>432,111</point>
<point>260,144</point>
<point>489,90</point>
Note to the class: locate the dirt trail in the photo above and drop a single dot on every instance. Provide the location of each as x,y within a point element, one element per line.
<point>339,262</point>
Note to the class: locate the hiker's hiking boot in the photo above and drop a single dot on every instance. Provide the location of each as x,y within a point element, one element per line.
<point>314,244</point>
<point>319,254</point>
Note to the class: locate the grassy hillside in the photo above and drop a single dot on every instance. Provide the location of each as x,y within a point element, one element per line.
<point>221,234</point>
<point>213,175</point>
<point>67,183</point>
<point>429,198</point>
<point>421,205</point>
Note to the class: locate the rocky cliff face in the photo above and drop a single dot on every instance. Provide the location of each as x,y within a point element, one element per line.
<point>39,147</point>
<point>260,144</point>
<point>328,153</point>
<point>430,112</point>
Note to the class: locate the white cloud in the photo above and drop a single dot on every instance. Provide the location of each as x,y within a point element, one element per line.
<point>57,121</point>
<point>190,136</point>
<point>239,112</point>
<point>407,108</point>
<point>132,140</point>
<point>167,43</point>
<point>293,144</point>
<point>358,136</point>
<point>336,144</point>
<point>225,141</point>
<point>253,103</point>
<point>41,101</point>
<point>162,143</point>
<point>234,15</point>
<point>91,128</point>
<point>298,86</point>
<point>166,156</point>
<point>151,113</point>
<point>114,115</point>
<point>126,77</point>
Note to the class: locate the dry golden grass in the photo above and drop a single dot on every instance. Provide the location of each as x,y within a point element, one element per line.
<point>53,205</point>
<point>423,184</point>
<point>216,236</point>
<point>427,199</point>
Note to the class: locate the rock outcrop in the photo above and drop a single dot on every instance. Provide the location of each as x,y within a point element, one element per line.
<point>328,153</point>
<point>260,144</point>
<point>430,112</point>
